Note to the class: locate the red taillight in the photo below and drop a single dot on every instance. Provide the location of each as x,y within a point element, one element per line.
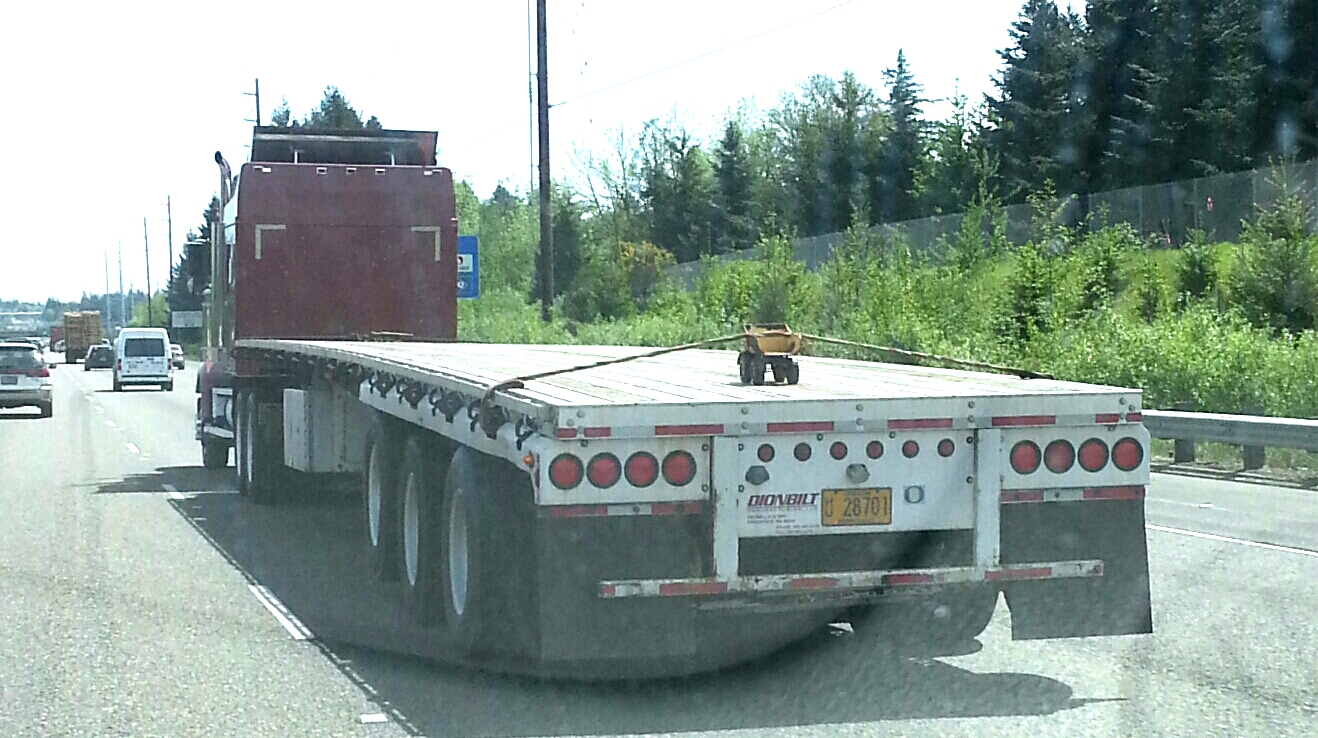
<point>1025,457</point>
<point>1059,456</point>
<point>565,471</point>
<point>838,450</point>
<point>874,449</point>
<point>1127,454</point>
<point>604,470</point>
<point>42,372</point>
<point>679,468</point>
<point>1093,455</point>
<point>946,447</point>
<point>118,365</point>
<point>765,453</point>
<point>642,469</point>
<point>910,449</point>
<point>802,452</point>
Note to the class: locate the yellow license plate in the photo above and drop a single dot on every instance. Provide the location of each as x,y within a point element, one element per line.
<point>856,507</point>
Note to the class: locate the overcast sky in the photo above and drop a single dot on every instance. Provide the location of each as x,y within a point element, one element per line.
<point>111,107</point>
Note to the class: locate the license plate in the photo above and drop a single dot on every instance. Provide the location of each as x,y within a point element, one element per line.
<point>856,507</point>
<point>9,379</point>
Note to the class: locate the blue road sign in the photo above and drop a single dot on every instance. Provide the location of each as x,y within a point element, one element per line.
<point>469,268</point>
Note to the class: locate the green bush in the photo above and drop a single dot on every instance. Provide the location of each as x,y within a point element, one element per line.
<point>1196,274</point>
<point>1275,283</point>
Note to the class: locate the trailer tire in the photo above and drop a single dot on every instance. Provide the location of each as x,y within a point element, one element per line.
<point>933,624</point>
<point>214,454</point>
<point>420,486</point>
<point>266,451</point>
<point>381,521</point>
<point>241,442</point>
<point>467,588</point>
<point>117,386</point>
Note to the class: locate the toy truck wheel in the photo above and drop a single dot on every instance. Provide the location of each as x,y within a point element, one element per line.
<point>757,370</point>
<point>420,487</point>
<point>793,373</point>
<point>779,372</point>
<point>214,454</point>
<point>381,460</point>
<point>744,365</point>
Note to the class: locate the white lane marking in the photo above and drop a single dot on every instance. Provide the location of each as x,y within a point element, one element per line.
<point>174,494</point>
<point>89,398</point>
<point>1200,505</point>
<point>110,423</point>
<point>132,448</point>
<point>287,619</point>
<point>374,717</point>
<point>1226,539</point>
<point>98,408</point>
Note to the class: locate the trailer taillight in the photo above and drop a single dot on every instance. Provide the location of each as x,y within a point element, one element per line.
<point>1059,456</point>
<point>1127,454</point>
<point>764,453</point>
<point>642,469</point>
<point>1025,457</point>
<point>1093,455</point>
<point>838,450</point>
<point>802,452</point>
<point>604,470</point>
<point>910,449</point>
<point>565,471</point>
<point>679,468</point>
<point>946,447</point>
<point>874,449</point>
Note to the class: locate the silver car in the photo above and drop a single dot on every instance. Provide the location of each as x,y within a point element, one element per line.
<point>24,378</point>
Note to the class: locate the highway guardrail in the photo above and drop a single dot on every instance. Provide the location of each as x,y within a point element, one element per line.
<point>1252,432</point>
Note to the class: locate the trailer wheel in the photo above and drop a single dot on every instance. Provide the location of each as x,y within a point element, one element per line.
<point>467,589</point>
<point>265,451</point>
<point>935,623</point>
<point>242,470</point>
<point>419,489</point>
<point>381,460</point>
<point>214,454</point>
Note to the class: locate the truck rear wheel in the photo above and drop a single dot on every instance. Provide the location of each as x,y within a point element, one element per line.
<point>214,454</point>
<point>241,442</point>
<point>265,451</point>
<point>420,486</point>
<point>467,588</point>
<point>381,461</point>
<point>937,622</point>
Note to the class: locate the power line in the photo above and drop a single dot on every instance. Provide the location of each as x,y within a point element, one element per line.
<point>653,72</point>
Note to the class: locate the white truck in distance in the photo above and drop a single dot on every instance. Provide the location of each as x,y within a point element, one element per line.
<point>657,516</point>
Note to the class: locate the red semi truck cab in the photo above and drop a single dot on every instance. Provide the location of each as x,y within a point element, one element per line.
<point>326,234</point>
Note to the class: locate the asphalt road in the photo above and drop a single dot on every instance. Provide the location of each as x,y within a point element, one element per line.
<point>140,596</point>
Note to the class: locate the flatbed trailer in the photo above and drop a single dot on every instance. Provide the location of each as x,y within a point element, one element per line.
<point>655,515</point>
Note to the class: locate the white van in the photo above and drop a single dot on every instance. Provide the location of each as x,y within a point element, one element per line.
<point>142,357</point>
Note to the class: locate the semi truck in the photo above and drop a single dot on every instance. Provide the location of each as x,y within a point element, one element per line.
<point>82,330</point>
<point>614,510</point>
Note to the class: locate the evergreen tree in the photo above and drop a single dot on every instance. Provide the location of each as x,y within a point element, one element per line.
<point>904,145</point>
<point>734,225</point>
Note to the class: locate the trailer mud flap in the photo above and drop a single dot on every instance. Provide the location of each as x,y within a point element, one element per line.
<point>1116,603</point>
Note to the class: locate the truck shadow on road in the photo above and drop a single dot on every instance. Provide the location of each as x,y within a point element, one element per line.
<point>307,552</point>
<point>184,479</point>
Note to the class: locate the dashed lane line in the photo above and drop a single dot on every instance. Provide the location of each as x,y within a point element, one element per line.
<point>1228,539</point>
<point>132,448</point>
<point>282,614</point>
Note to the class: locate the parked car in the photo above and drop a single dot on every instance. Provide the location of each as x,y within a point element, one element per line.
<point>176,355</point>
<point>100,356</point>
<point>24,377</point>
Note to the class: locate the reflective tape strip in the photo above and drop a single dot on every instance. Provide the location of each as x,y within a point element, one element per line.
<point>622,510</point>
<point>1107,418</point>
<point>1134,417</point>
<point>1023,421</point>
<point>709,429</point>
<point>565,433</point>
<point>597,432</point>
<point>1074,494</point>
<point>919,424</point>
<point>809,426</point>
<point>847,581</point>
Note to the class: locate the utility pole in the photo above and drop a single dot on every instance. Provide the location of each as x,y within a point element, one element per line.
<point>530,100</point>
<point>546,231</point>
<point>150,319</point>
<point>257,95</point>
<point>169,218</point>
<point>109,319</point>
<point>123,309</point>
